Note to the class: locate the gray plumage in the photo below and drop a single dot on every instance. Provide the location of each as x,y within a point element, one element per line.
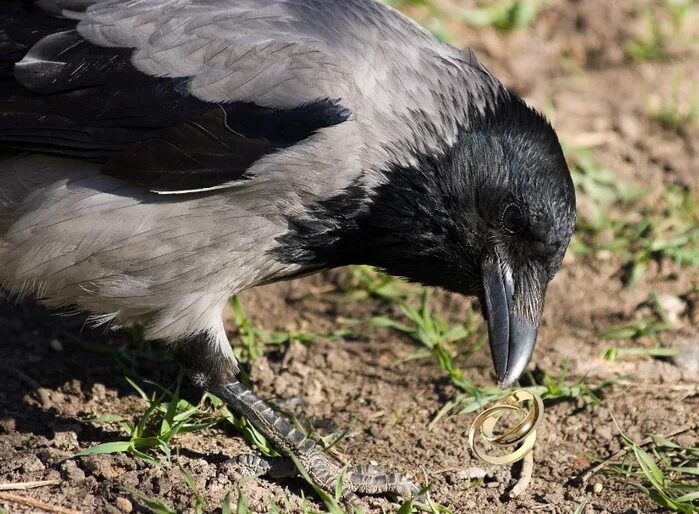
<point>160,156</point>
<point>80,238</point>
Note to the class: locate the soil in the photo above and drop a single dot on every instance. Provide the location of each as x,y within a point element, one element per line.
<point>56,372</point>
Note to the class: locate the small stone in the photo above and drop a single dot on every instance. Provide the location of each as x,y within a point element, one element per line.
<point>605,431</point>
<point>56,345</point>
<point>8,425</point>
<point>629,126</point>
<point>67,440</point>
<point>123,504</point>
<point>597,487</point>
<point>101,466</point>
<point>688,356</point>
<point>98,392</point>
<point>692,300</point>
<point>673,308</point>
<point>31,465</point>
<point>71,472</point>
<point>471,473</point>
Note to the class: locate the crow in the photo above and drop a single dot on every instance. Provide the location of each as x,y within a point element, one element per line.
<point>160,156</point>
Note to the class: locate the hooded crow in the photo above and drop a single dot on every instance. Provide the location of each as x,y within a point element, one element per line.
<point>159,156</point>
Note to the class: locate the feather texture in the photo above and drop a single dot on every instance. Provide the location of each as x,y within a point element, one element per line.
<point>283,103</point>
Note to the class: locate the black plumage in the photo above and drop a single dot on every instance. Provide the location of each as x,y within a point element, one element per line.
<point>158,158</point>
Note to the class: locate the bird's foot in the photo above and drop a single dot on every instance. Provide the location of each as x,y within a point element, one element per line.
<point>326,472</point>
<point>249,465</point>
<point>323,470</point>
<point>368,479</point>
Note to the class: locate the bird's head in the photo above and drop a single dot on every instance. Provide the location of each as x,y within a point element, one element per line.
<point>494,217</point>
<point>491,216</point>
<point>520,194</point>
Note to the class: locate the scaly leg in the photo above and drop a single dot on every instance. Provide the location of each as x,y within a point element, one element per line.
<point>213,368</point>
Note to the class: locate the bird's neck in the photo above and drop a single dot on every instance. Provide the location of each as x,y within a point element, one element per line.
<point>403,226</point>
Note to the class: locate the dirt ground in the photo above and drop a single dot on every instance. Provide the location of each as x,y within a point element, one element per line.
<point>55,372</point>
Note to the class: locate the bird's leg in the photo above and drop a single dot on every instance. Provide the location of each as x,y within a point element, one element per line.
<point>259,465</point>
<point>212,366</point>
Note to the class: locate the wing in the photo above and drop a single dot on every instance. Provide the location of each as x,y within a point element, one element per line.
<point>179,95</point>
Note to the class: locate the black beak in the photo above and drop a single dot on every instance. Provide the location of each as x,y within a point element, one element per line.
<point>512,339</point>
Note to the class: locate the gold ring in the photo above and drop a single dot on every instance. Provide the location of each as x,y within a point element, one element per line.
<point>524,433</point>
<point>519,432</point>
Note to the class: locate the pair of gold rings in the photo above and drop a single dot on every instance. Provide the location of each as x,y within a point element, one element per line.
<point>522,434</point>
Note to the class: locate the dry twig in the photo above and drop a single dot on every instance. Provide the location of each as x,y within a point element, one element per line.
<point>23,486</point>
<point>648,440</point>
<point>36,504</point>
<point>525,477</point>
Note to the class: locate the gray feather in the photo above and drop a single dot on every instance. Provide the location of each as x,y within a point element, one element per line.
<point>75,236</point>
<point>404,86</point>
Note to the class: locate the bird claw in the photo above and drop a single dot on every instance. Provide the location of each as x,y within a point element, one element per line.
<point>326,472</point>
<point>249,465</point>
<point>368,479</point>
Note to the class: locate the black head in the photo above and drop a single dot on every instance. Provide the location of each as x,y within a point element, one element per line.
<point>492,216</point>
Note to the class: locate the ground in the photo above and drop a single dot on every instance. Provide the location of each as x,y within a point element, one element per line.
<point>619,81</point>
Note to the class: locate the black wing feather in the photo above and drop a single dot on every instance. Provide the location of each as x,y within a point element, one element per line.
<point>67,96</point>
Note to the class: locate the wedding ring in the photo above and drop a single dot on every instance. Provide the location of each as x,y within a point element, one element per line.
<point>522,434</point>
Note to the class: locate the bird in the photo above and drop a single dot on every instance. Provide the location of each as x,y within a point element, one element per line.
<point>160,156</point>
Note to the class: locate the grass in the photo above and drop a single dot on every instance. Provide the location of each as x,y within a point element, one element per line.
<point>679,110</point>
<point>423,323</point>
<point>167,416</point>
<point>438,338</point>
<point>652,326</point>
<point>255,338</point>
<point>364,282</point>
<point>331,502</point>
<point>667,473</point>
<point>600,194</point>
<point>669,231</point>
<point>443,341</point>
<point>615,219</point>
<point>665,28</point>
<point>504,15</point>
<point>551,389</point>
<point>430,15</point>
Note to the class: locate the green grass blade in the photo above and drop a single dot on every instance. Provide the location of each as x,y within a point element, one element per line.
<point>153,504</point>
<point>226,507</point>
<point>113,447</point>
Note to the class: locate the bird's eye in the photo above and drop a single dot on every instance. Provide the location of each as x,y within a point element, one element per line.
<point>513,218</point>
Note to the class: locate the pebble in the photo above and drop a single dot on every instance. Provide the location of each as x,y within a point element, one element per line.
<point>123,504</point>
<point>688,356</point>
<point>472,472</point>
<point>673,308</point>
<point>98,392</point>
<point>71,472</point>
<point>67,440</point>
<point>101,466</point>
<point>31,465</point>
